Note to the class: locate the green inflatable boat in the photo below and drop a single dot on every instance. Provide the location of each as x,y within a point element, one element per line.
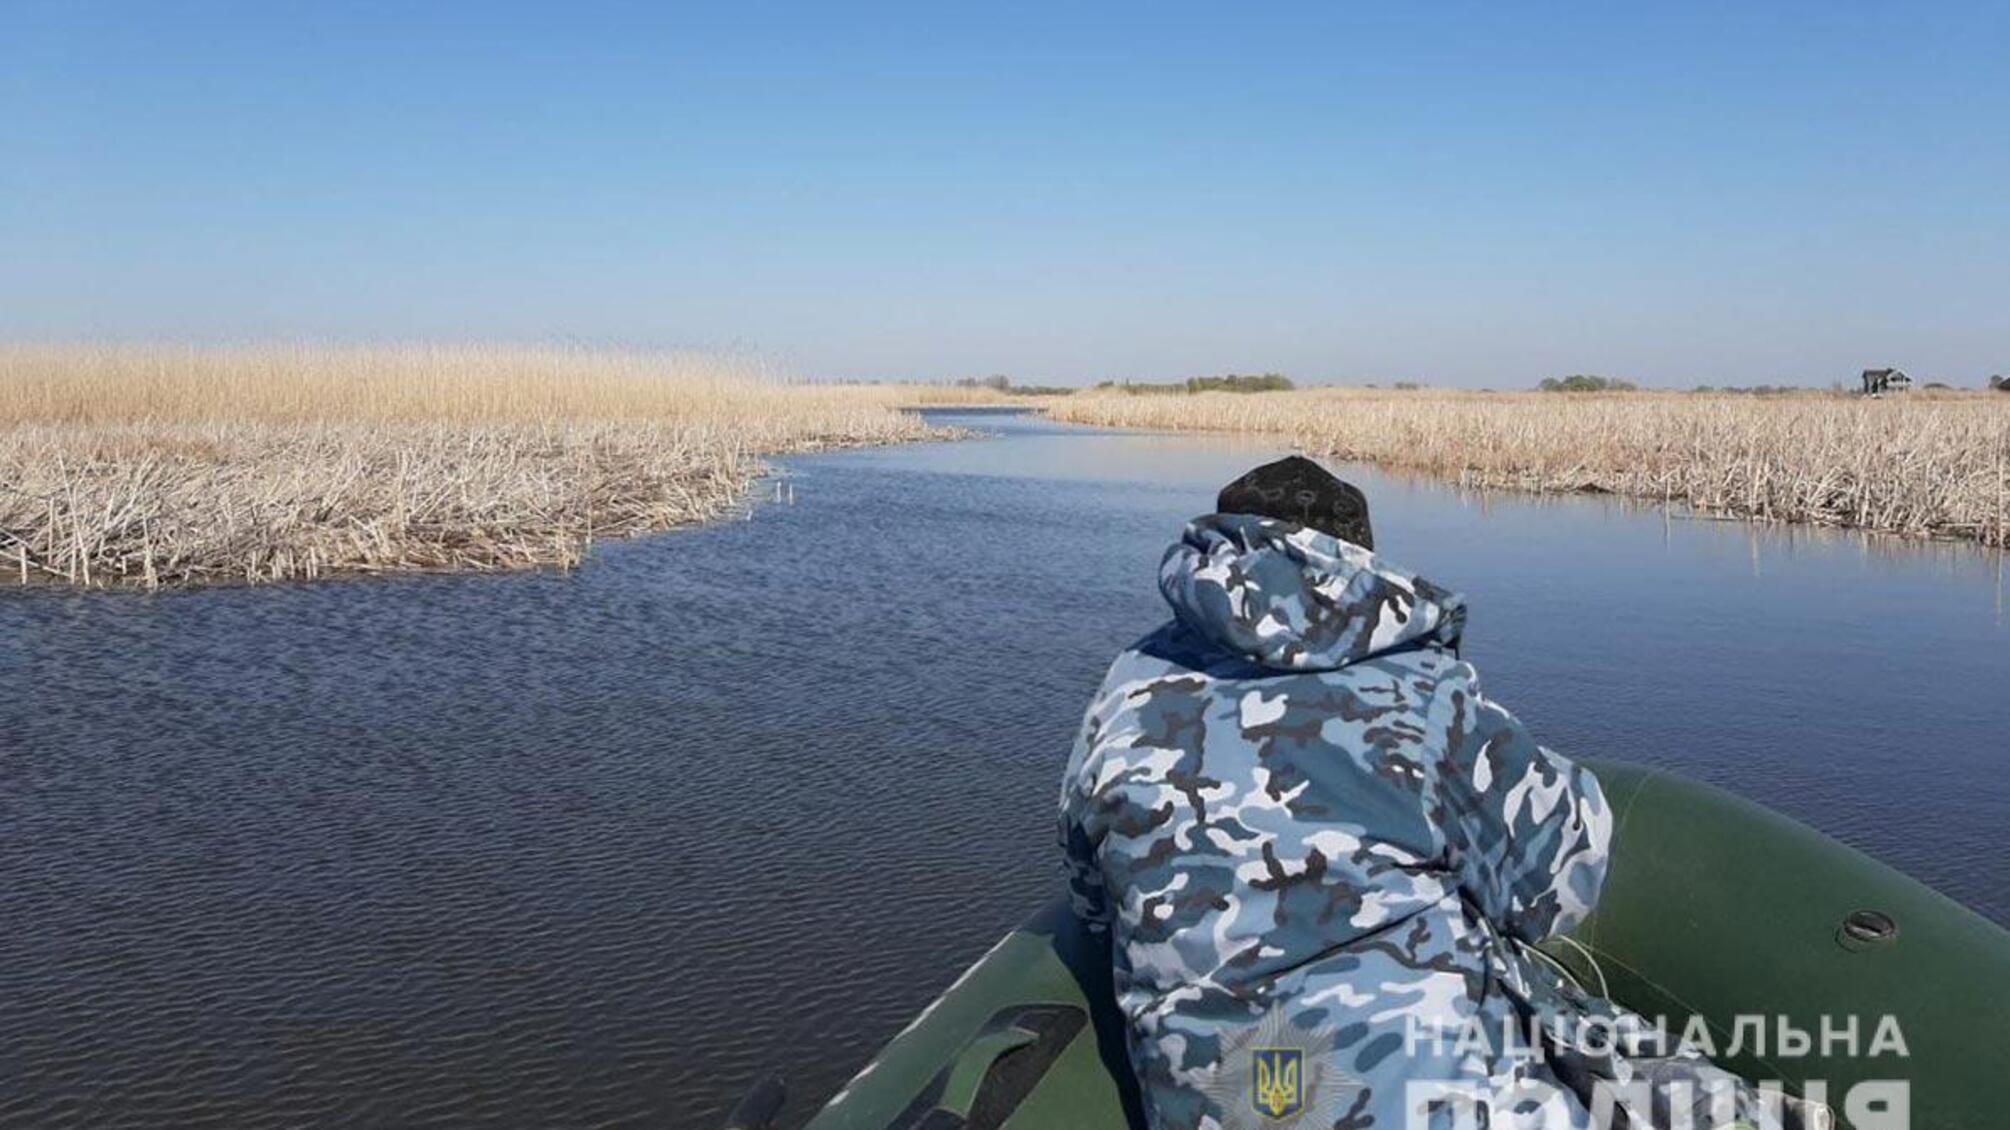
<point>1714,908</point>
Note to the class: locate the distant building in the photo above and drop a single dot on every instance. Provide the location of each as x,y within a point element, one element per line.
<point>1876,381</point>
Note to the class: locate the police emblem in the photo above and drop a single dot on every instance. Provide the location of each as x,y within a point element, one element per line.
<point>1274,1077</point>
<point>1274,1074</point>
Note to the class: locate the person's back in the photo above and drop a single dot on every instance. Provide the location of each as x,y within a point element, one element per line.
<point>1323,851</point>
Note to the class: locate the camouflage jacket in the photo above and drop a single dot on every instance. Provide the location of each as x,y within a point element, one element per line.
<point>1321,850</point>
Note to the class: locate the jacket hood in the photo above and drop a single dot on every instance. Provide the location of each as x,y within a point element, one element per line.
<point>1293,598</point>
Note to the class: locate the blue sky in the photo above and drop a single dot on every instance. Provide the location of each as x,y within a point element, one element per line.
<point>1460,194</point>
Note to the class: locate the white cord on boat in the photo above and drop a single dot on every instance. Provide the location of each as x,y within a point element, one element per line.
<point>1604,990</point>
<point>1562,970</point>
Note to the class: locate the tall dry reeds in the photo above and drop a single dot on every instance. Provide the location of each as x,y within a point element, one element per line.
<point>1921,465</point>
<point>177,466</point>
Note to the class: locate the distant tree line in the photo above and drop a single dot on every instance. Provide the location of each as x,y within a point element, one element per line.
<point>1585,382</point>
<point>1233,382</point>
<point>998,382</point>
<point>1278,382</point>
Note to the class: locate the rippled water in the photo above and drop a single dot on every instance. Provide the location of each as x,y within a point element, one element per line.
<point>598,849</point>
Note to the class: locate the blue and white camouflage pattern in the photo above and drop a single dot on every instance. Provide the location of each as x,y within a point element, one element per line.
<point>1294,801</point>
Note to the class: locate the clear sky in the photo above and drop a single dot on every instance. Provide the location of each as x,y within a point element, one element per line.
<point>1478,194</point>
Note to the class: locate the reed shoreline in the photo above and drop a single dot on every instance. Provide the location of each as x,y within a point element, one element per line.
<point>1920,465</point>
<point>152,468</point>
<point>149,467</point>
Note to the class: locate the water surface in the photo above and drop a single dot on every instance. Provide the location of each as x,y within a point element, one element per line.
<point>597,849</point>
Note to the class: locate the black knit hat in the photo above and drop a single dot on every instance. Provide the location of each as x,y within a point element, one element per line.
<point>1295,489</point>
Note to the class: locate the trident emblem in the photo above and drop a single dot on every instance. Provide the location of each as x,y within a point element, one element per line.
<point>1276,1075</point>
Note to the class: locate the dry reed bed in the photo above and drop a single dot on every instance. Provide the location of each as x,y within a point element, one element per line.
<point>153,467</point>
<point>1921,465</point>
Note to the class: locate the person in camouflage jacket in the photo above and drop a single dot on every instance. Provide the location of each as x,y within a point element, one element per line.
<point>1325,854</point>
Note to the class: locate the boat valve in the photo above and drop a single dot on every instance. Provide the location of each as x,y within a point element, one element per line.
<point>1866,929</point>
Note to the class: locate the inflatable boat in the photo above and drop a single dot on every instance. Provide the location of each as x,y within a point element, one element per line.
<point>1714,908</point>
